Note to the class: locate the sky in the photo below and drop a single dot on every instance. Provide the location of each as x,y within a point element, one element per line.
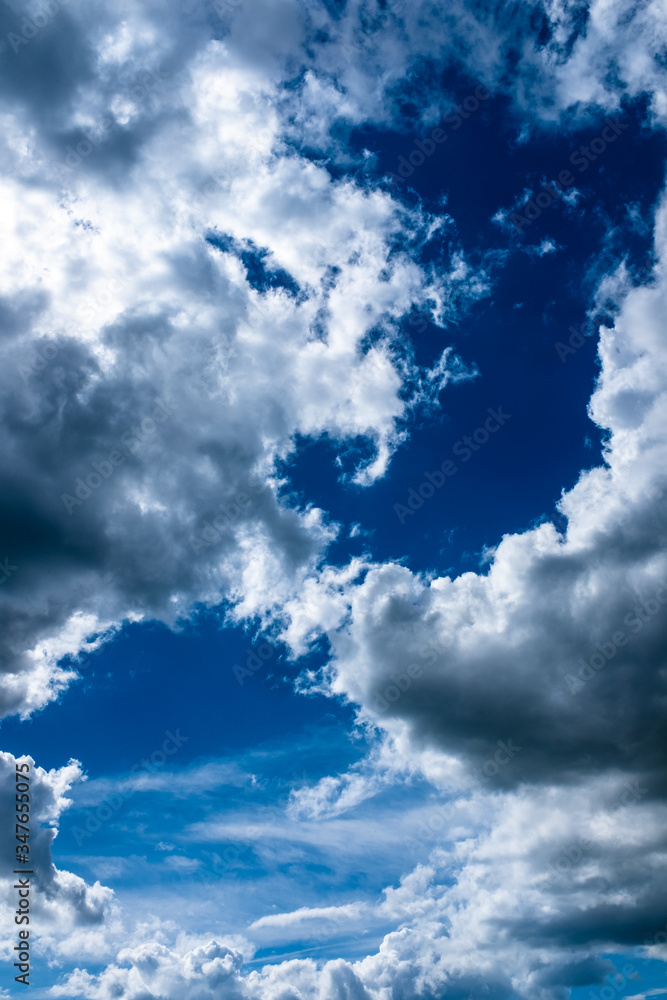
<point>334,498</point>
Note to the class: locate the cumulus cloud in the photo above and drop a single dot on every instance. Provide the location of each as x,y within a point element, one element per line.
<point>157,971</point>
<point>269,274</point>
<point>69,913</point>
<point>559,645</point>
<point>555,654</point>
<point>184,296</point>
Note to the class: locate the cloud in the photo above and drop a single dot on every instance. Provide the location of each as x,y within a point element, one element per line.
<point>156,972</point>
<point>185,296</point>
<point>134,127</point>
<point>351,910</point>
<point>555,653</point>
<point>331,796</point>
<point>178,362</point>
<point>70,914</point>
<point>191,781</point>
<point>567,60</point>
<point>461,921</point>
<point>588,697</point>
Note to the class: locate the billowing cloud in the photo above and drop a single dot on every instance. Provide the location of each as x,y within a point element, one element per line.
<point>69,913</point>
<point>559,645</point>
<point>538,684</point>
<point>184,293</point>
<point>184,296</point>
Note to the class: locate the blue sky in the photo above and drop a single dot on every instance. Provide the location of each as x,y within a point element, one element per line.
<point>333,500</point>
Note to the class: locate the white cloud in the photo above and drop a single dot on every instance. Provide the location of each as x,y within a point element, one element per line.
<point>70,914</point>
<point>556,653</point>
<point>156,971</point>
<point>112,314</point>
<point>588,56</point>
<point>333,796</point>
<point>192,781</point>
<point>351,910</point>
<point>131,335</point>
